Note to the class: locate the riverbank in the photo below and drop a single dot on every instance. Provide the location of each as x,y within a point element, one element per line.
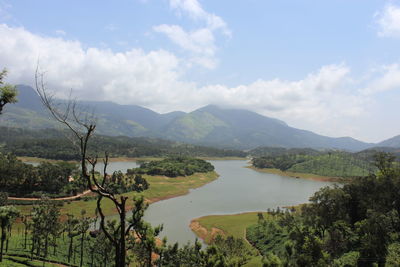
<point>298,175</point>
<point>161,187</point>
<point>124,159</point>
<point>208,227</point>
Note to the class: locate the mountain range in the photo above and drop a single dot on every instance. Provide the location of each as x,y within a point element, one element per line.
<point>210,125</point>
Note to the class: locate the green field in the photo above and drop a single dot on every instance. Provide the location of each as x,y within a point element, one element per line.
<point>323,164</point>
<point>234,225</point>
<point>309,176</point>
<point>14,261</point>
<point>161,187</point>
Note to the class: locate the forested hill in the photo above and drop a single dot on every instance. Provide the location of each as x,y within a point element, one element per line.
<point>326,163</point>
<point>210,125</point>
<point>391,142</point>
<point>53,144</point>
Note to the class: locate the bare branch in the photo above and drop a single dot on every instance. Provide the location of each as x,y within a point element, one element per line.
<point>102,220</point>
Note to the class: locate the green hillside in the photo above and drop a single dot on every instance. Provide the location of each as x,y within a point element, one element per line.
<point>53,144</point>
<point>210,125</point>
<point>328,163</point>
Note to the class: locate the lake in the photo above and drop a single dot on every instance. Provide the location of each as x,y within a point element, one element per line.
<point>237,190</point>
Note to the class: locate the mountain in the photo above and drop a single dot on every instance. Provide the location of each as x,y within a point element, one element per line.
<point>210,125</point>
<point>391,142</point>
<point>245,129</point>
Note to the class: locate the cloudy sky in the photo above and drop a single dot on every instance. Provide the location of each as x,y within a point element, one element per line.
<point>332,67</point>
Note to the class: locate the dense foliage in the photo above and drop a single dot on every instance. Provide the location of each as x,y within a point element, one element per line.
<point>331,163</point>
<point>119,183</point>
<point>279,151</point>
<point>21,179</point>
<point>8,92</point>
<point>354,225</point>
<point>71,241</point>
<point>52,144</point>
<point>173,167</point>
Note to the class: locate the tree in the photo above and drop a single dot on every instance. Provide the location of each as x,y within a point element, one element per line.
<point>83,227</point>
<point>8,92</point>
<point>3,199</point>
<point>71,226</point>
<point>45,223</point>
<point>7,216</point>
<point>82,126</point>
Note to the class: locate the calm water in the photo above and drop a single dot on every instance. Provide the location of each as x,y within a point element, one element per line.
<point>237,190</point>
<point>112,166</point>
<point>116,166</point>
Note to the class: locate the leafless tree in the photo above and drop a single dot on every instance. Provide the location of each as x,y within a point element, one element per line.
<point>82,126</point>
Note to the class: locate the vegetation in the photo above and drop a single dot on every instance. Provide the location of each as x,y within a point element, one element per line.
<point>331,163</point>
<point>123,234</point>
<point>24,180</point>
<point>209,228</point>
<point>173,167</point>
<point>52,144</point>
<point>357,224</point>
<point>8,92</point>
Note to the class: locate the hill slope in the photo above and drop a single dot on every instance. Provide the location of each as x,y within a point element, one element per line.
<point>391,142</point>
<point>210,125</point>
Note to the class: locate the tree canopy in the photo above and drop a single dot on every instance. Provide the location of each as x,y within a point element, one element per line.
<point>8,92</point>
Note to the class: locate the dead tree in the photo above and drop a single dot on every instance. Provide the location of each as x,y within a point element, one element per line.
<point>82,126</point>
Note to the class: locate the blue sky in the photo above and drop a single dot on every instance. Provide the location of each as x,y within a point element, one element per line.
<point>332,67</point>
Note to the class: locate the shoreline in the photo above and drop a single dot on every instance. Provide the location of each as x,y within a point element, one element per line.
<point>298,175</point>
<point>121,159</point>
<point>163,188</point>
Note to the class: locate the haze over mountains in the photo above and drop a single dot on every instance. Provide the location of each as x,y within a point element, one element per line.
<point>210,125</point>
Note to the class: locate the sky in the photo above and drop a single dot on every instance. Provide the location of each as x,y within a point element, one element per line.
<point>332,67</point>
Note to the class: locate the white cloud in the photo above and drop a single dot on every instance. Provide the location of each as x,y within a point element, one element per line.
<point>130,77</point>
<point>326,100</point>
<point>200,42</point>
<point>389,21</point>
<point>195,11</point>
<point>388,78</point>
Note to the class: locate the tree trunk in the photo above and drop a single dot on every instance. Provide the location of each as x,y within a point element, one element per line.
<point>26,234</point>
<point>105,258</point>
<point>32,247</point>
<point>82,238</point>
<point>54,245</point>
<point>70,249</point>
<point>122,238</point>
<point>3,237</point>
<point>149,258</point>
<point>118,256</point>
<point>46,246</point>
<point>91,258</point>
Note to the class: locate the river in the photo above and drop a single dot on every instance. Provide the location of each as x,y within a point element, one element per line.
<point>237,190</point>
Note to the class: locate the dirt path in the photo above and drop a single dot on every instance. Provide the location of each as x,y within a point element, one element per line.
<point>58,198</point>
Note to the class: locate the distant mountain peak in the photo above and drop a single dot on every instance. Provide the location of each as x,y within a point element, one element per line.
<point>215,125</point>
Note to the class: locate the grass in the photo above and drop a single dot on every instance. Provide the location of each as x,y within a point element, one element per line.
<point>234,225</point>
<point>38,160</point>
<point>116,159</point>
<point>15,261</point>
<point>9,263</point>
<point>309,176</point>
<point>161,187</point>
<point>18,254</point>
<point>223,158</point>
<point>125,159</point>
